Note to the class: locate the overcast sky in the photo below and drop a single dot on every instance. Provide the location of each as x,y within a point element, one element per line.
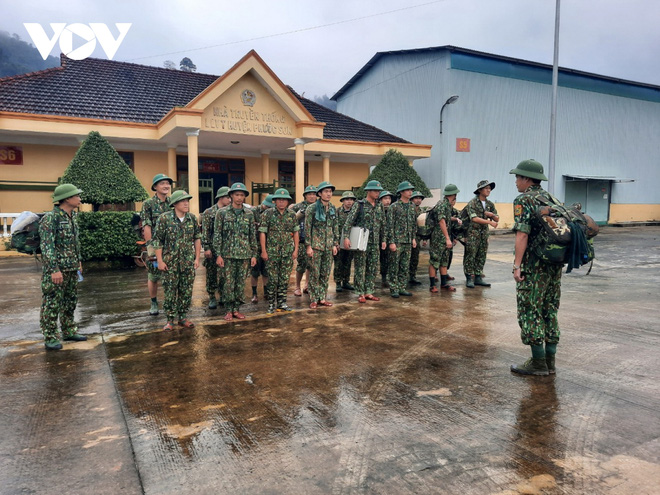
<point>316,46</point>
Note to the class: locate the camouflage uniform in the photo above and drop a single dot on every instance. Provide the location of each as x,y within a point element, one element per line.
<point>476,239</point>
<point>235,239</point>
<point>177,240</point>
<point>438,252</point>
<point>344,258</point>
<point>152,208</point>
<point>321,235</point>
<point>279,230</point>
<point>214,274</point>
<point>60,251</point>
<point>302,262</point>
<point>366,262</point>
<point>401,230</point>
<point>414,252</point>
<point>538,295</point>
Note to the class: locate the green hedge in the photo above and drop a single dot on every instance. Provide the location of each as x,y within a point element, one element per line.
<point>107,235</point>
<point>393,169</point>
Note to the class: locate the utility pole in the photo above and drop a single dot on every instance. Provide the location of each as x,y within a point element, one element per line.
<point>553,112</point>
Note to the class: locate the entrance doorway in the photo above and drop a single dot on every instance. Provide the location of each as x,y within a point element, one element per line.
<point>594,196</point>
<point>214,173</point>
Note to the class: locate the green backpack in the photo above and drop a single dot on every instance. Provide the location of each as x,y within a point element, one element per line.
<point>27,239</point>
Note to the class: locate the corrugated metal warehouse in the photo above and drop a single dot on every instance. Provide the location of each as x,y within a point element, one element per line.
<point>608,130</point>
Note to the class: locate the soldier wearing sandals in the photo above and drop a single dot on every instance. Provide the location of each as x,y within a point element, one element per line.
<point>441,243</point>
<point>178,243</point>
<point>214,277</point>
<point>302,262</point>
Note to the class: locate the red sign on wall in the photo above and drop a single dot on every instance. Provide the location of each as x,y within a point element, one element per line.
<point>11,155</point>
<point>463,144</point>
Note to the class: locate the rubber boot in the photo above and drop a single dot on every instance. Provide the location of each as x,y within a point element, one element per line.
<point>53,345</point>
<point>339,288</point>
<point>469,282</point>
<point>347,286</point>
<point>480,281</point>
<point>535,365</point>
<point>550,351</point>
<point>153,310</point>
<point>213,303</point>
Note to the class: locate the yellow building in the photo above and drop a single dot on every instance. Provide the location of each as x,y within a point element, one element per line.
<point>203,130</point>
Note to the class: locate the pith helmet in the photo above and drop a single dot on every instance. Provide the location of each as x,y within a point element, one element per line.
<point>404,186</point>
<point>238,187</point>
<point>64,191</point>
<point>158,178</point>
<point>222,192</point>
<point>268,201</point>
<point>482,184</point>
<point>177,196</point>
<point>373,185</point>
<point>281,194</point>
<point>309,189</point>
<point>385,193</point>
<point>347,195</point>
<point>529,168</point>
<point>417,194</point>
<point>450,190</point>
<point>324,185</point>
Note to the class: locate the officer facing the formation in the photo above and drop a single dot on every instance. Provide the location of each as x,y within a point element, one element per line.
<point>344,258</point>
<point>385,198</point>
<point>60,252</point>
<point>260,267</point>
<point>302,263</point>
<point>321,242</point>
<point>214,277</point>
<point>441,244</point>
<point>401,231</point>
<point>367,214</point>
<point>482,214</point>
<point>177,240</point>
<point>278,236</point>
<point>416,199</point>
<point>538,284</point>
<point>235,241</point>
<point>152,208</point>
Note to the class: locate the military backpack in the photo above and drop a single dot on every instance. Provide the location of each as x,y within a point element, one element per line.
<point>25,236</point>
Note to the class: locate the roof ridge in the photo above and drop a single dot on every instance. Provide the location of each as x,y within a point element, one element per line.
<point>41,72</point>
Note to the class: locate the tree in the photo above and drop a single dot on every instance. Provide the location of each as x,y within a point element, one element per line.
<point>102,174</point>
<point>186,65</point>
<point>169,64</point>
<point>393,169</point>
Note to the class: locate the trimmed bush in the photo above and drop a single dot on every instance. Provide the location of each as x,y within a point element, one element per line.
<point>107,235</point>
<point>393,169</point>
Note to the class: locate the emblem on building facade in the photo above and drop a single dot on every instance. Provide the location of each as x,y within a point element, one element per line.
<point>248,97</point>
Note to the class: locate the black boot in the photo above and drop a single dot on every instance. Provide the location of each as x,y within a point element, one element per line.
<point>469,281</point>
<point>480,281</point>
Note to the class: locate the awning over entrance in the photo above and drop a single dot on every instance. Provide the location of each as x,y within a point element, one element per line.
<point>596,177</point>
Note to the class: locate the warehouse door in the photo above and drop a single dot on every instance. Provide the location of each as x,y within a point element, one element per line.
<point>593,195</point>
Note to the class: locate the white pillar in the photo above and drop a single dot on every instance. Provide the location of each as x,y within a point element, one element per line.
<point>193,170</point>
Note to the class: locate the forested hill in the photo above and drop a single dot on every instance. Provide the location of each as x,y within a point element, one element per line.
<point>18,56</point>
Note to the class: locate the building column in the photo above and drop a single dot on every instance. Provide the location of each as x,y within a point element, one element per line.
<point>326,167</point>
<point>171,163</point>
<point>265,165</point>
<point>300,168</point>
<point>193,170</point>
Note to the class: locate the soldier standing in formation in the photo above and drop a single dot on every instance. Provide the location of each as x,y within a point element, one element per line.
<point>482,214</point>
<point>214,277</point>
<point>260,267</point>
<point>60,252</point>
<point>152,208</point>
<point>385,198</point>
<point>321,242</point>
<point>278,235</point>
<point>344,258</point>
<point>367,214</point>
<point>538,284</point>
<point>235,241</point>
<point>401,230</point>
<point>441,243</point>
<point>302,265</point>
<point>177,241</point>
<point>416,199</point>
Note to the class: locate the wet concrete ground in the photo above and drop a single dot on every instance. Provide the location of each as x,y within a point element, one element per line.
<point>405,396</point>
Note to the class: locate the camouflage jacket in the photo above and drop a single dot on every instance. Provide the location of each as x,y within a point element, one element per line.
<point>443,210</point>
<point>235,233</point>
<point>152,208</point>
<point>476,209</point>
<point>279,230</point>
<point>372,218</point>
<point>401,223</point>
<point>60,247</point>
<point>342,215</point>
<point>524,209</point>
<point>177,239</point>
<point>208,223</point>
<point>321,235</point>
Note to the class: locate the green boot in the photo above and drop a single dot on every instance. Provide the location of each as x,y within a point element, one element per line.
<point>75,337</point>
<point>153,311</point>
<point>469,283</point>
<point>533,366</point>
<point>480,281</point>
<point>213,303</point>
<point>550,351</point>
<point>53,345</point>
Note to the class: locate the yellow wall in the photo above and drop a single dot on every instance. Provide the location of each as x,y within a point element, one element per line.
<point>634,213</point>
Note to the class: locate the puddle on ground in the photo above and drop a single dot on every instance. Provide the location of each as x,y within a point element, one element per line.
<point>179,431</point>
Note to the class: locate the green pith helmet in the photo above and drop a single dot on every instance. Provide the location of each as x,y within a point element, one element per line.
<point>347,195</point>
<point>177,196</point>
<point>238,187</point>
<point>386,193</point>
<point>529,168</point>
<point>417,194</point>
<point>324,185</point>
<point>373,185</point>
<point>483,184</point>
<point>404,186</point>
<point>309,189</point>
<point>64,191</point>
<point>222,192</point>
<point>450,190</point>
<point>268,201</point>
<point>158,178</point>
<point>281,194</point>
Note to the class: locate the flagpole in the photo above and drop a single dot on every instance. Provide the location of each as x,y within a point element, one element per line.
<point>553,112</point>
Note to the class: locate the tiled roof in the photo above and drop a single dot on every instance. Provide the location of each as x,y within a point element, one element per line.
<point>119,91</point>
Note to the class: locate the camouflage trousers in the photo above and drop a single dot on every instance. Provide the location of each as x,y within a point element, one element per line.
<point>178,287</point>
<point>538,302</point>
<point>343,260</point>
<point>58,301</point>
<point>476,248</point>
<point>414,260</point>
<point>153,273</point>
<point>366,266</point>
<point>235,273</point>
<point>215,280</point>
<point>319,275</point>
<point>384,260</point>
<point>302,261</point>
<point>279,271</point>
<point>438,252</point>
<point>398,267</point>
